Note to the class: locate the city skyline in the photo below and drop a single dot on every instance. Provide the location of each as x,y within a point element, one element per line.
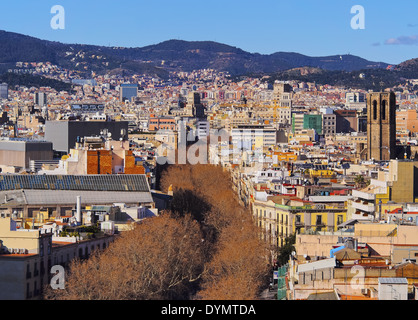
<point>133,167</point>
<point>313,29</point>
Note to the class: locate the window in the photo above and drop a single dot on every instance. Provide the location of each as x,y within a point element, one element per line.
<point>28,274</point>
<point>319,220</point>
<point>383,110</point>
<point>374,110</point>
<point>41,249</point>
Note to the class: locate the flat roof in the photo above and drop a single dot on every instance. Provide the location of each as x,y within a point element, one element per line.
<point>68,197</point>
<point>111,182</point>
<point>320,264</point>
<point>393,281</point>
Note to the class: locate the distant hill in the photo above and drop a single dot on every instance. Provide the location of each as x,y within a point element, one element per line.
<point>34,81</point>
<point>409,68</point>
<point>16,47</point>
<point>158,59</point>
<point>191,55</point>
<point>367,79</point>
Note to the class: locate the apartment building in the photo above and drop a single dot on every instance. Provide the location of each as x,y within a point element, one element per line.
<point>354,262</point>
<point>396,185</point>
<point>251,137</point>
<point>407,120</point>
<point>280,216</point>
<point>28,255</point>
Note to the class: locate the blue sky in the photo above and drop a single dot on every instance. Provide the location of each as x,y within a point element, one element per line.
<point>316,28</point>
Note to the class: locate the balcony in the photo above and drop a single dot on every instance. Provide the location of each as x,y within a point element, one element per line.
<point>363,195</point>
<point>366,207</point>
<point>299,224</point>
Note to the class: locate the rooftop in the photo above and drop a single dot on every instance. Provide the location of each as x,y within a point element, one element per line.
<point>135,182</point>
<point>57,197</point>
<point>393,281</point>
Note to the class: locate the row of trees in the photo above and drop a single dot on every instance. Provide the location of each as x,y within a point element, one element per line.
<point>236,260</point>
<point>205,247</point>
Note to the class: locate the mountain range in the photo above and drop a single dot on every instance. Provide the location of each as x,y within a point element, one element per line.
<point>168,55</point>
<point>178,55</point>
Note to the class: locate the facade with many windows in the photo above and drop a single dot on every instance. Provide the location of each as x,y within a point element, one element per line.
<point>28,255</point>
<point>279,217</point>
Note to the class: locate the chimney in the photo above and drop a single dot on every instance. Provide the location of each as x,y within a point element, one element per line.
<point>78,210</point>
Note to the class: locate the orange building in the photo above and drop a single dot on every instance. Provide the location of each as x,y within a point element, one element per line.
<point>130,165</point>
<point>96,155</point>
<point>106,162</point>
<point>407,120</point>
<point>99,162</point>
<point>161,123</point>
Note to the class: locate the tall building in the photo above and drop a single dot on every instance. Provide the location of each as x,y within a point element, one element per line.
<point>329,123</point>
<point>280,88</point>
<point>64,134</point>
<point>197,108</point>
<point>407,120</point>
<point>4,91</point>
<point>302,121</point>
<point>40,99</point>
<point>355,100</point>
<point>128,91</point>
<point>381,126</point>
<point>282,99</point>
<point>19,152</point>
<point>253,137</point>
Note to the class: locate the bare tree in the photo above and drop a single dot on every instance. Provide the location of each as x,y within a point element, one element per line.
<point>239,268</point>
<point>160,259</point>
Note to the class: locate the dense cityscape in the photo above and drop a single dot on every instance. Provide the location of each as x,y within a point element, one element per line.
<point>206,184</point>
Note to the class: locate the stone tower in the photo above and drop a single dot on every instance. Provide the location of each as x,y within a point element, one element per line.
<point>381,126</point>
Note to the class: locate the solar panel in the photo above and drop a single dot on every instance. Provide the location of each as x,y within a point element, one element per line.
<point>70,182</point>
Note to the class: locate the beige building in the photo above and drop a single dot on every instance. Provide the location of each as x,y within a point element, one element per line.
<point>393,188</point>
<point>27,256</point>
<point>281,216</point>
<point>353,271</point>
<point>380,238</point>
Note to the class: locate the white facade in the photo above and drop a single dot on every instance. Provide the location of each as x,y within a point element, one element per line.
<point>249,138</point>
<point>393,289</point>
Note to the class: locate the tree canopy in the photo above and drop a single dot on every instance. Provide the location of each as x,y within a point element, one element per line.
<point>205,247</point>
